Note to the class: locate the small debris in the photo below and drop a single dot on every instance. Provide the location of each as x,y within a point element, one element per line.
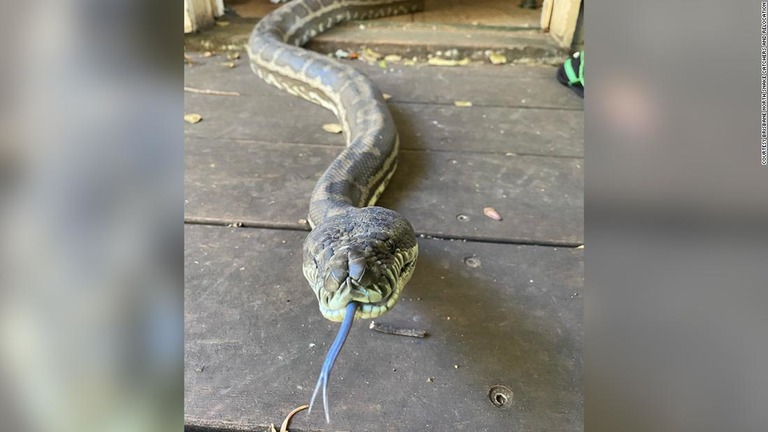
<point>361,27</point>
<point>210,92</point>
<point>431,379</point>
<point>188,60</point>
<point>353,55</point>
<point>410,62</point>
<point>393,58</point>
<point>272,427</point>
<point>200,369</point>
<point>222,23</point>
<point>311,345</point>
<point>492,213</point>
<point>233,55</point>
<point>332,128</point>
<point>382,64</point>
<point>463,104</point>
<point>436,61</point>
<point>208,54</point>
<point>472,261</point>
<point>455,366</point>
<point>462,218</point>
<point>370,55</point>
<point>580,247</point>
<point>447,318</point>
<point>388,329</point>
<point>230,64</point>
<point>192,118</point>
<point>497,59</point>
<point>284,426</point>
<point>386,96</point>
<point>340,53</point>
<point>303,222</point>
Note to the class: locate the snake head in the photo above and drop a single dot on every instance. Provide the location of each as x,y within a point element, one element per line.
<point>365,255</point>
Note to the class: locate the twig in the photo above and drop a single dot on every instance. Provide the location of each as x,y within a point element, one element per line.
<point>388,329</point>
<point>284,426</point>
<point>211,92</point>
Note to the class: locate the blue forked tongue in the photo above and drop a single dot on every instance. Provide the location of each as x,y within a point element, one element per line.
<point>330,358</point>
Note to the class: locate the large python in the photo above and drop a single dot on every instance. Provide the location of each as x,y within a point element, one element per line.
<point>358,257</point>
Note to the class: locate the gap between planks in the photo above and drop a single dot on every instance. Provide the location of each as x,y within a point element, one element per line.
<point>402,150</point>
<point>423,235</point>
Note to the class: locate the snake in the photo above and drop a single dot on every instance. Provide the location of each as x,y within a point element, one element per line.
<point>358,257</point>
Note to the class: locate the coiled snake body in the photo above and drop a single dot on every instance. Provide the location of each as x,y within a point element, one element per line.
<point>358,257</point>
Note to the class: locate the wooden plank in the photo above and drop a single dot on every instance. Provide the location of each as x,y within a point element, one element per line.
<point>498,86</point>
<point>421,126</point>
<point>262,113</point>
<point>478,12</point>
<point>259,184</point>
<point>254,340</point>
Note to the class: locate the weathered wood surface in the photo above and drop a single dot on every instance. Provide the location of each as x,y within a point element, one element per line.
<point>249,161</point>
<point>508,315</point>
<point>515,310</point>
<point>266,184</point>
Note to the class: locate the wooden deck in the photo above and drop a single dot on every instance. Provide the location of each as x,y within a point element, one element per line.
<point>502,301</point>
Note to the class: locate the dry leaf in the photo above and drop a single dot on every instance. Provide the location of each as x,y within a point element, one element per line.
<point>437,61</point>
<point>272,427</point>
<point>353,55</point>
<point>229,64</point>
<point>371,55</point>
<point>222,23</point>
<point>463,104</point>
<point>580,247</point>
<point>393,58</point>
<point>192,118</point>
<point>409,62</point>
<point>332,128</point>
<point>492,213</point>
<point>497,58</point>
<point>386,96</point>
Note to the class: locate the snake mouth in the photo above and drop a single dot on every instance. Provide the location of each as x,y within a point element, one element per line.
<point>374,299</point>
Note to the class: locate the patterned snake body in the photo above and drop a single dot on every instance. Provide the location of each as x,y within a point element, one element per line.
<point>358,257</point>
<point>355,253</point>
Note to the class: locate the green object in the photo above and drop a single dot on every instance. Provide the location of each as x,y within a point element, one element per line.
<point>573,76</point>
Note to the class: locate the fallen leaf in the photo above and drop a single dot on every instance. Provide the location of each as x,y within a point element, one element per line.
<point>229,64</point>
<point>492,213</point>
<point>272,428</point>
<point>353,55</point>
<point>386,96</point>
<point>463,104</point>
<point>233,55</point>
<point>497,58</point>
<point>371,55</point>
<point>580,247</point>
<point>393,58</point>
<point>192,118</point>
<point>382,64</point>
<point>332,128</point>
<point>409,62</point>
<point>222,23</point>
<point>437,61</point>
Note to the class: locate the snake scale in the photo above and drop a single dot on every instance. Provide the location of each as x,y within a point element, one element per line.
<point>358,257</point>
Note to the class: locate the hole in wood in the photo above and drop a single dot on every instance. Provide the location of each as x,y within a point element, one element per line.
<point>501,396</point>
